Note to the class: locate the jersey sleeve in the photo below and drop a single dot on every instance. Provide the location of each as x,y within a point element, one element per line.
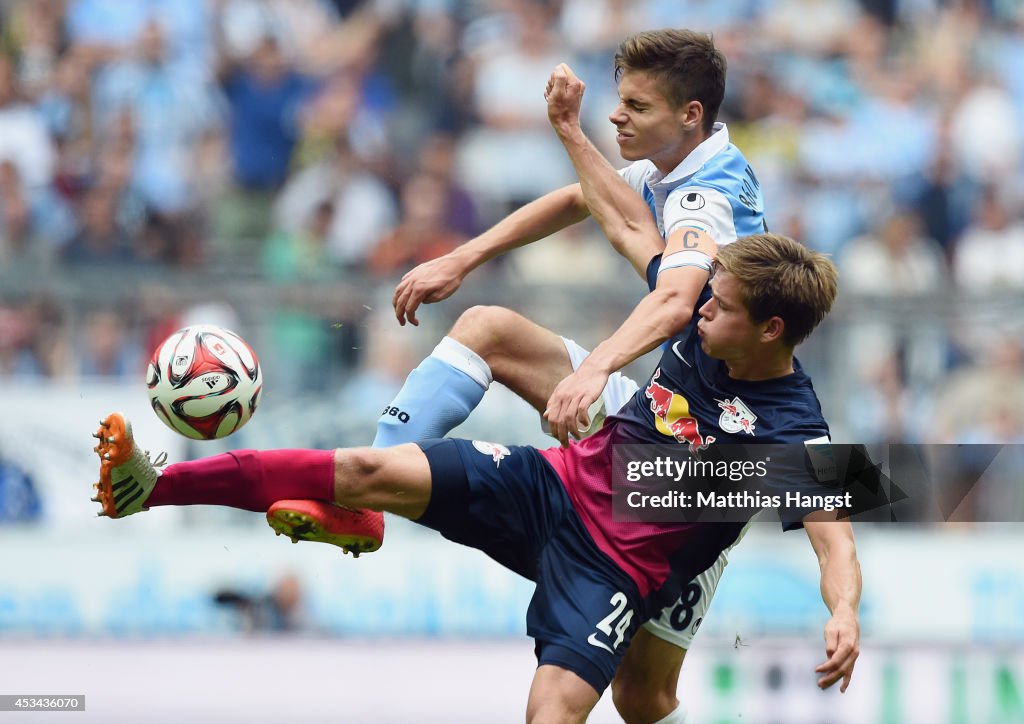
<point>652,271</point>
<point>703,208</point>
<point>635,174</point>
<point>804,476</point>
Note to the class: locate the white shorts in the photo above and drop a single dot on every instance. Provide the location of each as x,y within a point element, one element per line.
<point>618,390</point>
<point>677,623</point>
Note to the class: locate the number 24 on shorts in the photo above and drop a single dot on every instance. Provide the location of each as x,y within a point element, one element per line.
<point>608,625</point>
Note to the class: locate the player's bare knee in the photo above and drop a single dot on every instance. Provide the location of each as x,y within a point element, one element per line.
<point>484,329</point>
<point>554,714</point>
<point>639,700</point>
<point>357,476</point>
<point>624,696</point>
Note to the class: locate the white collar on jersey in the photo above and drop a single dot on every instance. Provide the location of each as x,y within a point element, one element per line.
<point>710,146</point>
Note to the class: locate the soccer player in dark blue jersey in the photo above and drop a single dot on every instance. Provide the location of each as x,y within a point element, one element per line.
<point>547,514</point>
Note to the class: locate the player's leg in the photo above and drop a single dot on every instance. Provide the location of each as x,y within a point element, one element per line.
<point>509,503</point>
<point>646,682</point>
<point>644,687</point>
<point>559,695</point>
<point>396,480</point>
<point>486,344</point>
<point>525,357</point>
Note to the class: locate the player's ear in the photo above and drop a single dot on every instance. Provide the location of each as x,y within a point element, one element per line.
<point>691,115</point>
<point>773,330</point>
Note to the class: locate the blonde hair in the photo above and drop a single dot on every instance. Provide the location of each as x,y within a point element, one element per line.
<point>779,277</point>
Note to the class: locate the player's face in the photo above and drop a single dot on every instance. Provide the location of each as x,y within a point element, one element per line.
<point>726,330</point>
<point>648,125</point>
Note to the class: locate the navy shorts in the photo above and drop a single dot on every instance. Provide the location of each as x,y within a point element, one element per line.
<point>510,504</point>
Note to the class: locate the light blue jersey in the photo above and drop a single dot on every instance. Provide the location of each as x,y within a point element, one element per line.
<point>713,189</point>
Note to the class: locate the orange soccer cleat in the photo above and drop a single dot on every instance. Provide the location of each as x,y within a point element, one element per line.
<point>354,531</point>
<point>127,476</point>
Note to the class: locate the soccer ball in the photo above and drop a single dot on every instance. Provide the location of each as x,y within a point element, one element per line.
<point>204,382</point>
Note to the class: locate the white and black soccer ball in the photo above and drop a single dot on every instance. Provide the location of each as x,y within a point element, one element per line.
<point>204,382</point>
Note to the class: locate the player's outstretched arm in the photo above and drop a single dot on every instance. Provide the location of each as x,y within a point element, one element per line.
<point>439,278</point>
<point>660,315</point>
<point>622,213</point>
<point>832,540</point>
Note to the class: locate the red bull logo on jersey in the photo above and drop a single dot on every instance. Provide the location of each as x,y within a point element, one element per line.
<point>496,451</point>
<point>672,415</point>
<point>736,417</point>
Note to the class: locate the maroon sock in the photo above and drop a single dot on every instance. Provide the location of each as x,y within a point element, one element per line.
<point>247,479</point>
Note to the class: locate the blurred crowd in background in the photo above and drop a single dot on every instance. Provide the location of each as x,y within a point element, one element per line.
<point>275,165</point>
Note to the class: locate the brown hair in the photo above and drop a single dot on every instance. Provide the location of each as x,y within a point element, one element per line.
<point>782,278</point>
<point>687,64</point>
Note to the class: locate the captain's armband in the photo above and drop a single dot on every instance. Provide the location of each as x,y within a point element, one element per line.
<point>686,258</point>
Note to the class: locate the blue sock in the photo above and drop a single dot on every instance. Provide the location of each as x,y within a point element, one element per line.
<point>437,396</point>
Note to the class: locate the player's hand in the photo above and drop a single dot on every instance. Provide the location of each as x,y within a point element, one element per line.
<point>567,409</point>
<point>564,94</point>
<point>429,282</point>
<point>842,646</point>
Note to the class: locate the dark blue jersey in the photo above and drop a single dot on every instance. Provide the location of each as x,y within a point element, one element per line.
<point>689,400</point>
